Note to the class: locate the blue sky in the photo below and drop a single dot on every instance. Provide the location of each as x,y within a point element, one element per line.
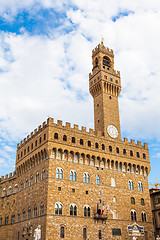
<point>45,53</point>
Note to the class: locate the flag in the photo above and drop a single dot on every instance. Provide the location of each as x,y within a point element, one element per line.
<point>108,208</point>
<point>102,209</point>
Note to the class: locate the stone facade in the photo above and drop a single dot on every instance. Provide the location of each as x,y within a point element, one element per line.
<point>155,204</point>
<point>62,174</point>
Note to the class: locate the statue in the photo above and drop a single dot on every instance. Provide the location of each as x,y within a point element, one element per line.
<point>37,233</point>
<point>134,238</point>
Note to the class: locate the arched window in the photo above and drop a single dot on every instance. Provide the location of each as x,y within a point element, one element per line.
<point>32,146</point>
<point>64,138</point>
<point>89,143</point>
<point>73,175</point>
<point>21,186</point>
<point>117,150</point>
<point>44,136</point>
<point>98,179</point>
<point>96,61</point>
<point>113,183</point>
<point>56,136</point>
<point>31,181</point>
<point>131,153</point>
<point>130,185</point>
<point>62,232</point>
<point>4,192</point>
<point>96,145</point>
<point>100,234</point>
<point>35,212</point>
<point>84,233</point>
<point>86,178</point>
<point>73,210</point>
<point>103,147</point>
<point>58,208</point>
<point>138,155</point>
<point>26,183</point>
<point>42,210</point>
<point>140,186</point>
<point>142,202</point>
<point>110,148</point>
<point>132,200</point>
<point>106,61</point>
<point>36,143</point>
<point>87,211</point>
<point>29,213</point>
<point>59,173</point>
<point>43,174</point>
<point>124,151</point>
<point>37,177</point>
<point>133,215</point>
<point>9,190</point>
<point>143,215</point>
<point>73,140</point>
<point>81,141</point>
<point>15,188</point>
<point>114,199</point>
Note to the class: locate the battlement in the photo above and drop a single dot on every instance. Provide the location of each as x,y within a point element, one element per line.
<point>102,48</point>
<point>7,177</point>
<point>110,71</point>
<point>76,128</point>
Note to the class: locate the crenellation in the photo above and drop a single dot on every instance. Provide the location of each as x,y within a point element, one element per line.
<point>44,124</point>
<point>146,145</point>
<point>59,123</point>
<point>91,131</point>
<point>68,125</point>
<point>83,129</point>
<point>50,121</point>
<point>133,141</point>
<point>39,128</point>
<point>139,143</point>
<point>76,127</point>
<point>35,131</point>
<point>6,177</point>
<point>126,140</point>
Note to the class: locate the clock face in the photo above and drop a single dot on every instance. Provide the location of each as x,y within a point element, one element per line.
<point>112,131</point>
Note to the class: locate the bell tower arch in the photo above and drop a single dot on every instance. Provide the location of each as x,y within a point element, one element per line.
<point>105,87</point>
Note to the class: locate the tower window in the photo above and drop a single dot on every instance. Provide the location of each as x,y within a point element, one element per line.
<point>144,156</point>
<point>64,138</point>
<point>105,76</point>
<point>44,136</point>
<point>132,200</point>
<point>106,61</point>
<point>117,150</point>
<point>142,201</point>
<point>110,97</point>
<point>62,232</point>
<point>103,147</point>
<point>40,140</point>
<point>100,234</point>
<point>97,105</point>
<point>73,140</point>
<point>56,136</point>
<point>131,153</point>
<point>96,145</point>
<point>81,141</point>
<point>89,143</point>
<point>111,79</point>
<point>84,233</point>
<point>116,81</point>
<point>96,61</point>
<point>138,155</point>
<point>36,143</point>
<point>124,151</point>
<point>110,148</point>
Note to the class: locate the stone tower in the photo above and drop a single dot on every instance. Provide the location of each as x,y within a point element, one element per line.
<point>105,86</point>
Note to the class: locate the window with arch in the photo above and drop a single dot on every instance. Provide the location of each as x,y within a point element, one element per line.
<point>59,173</point>
<point>142,202</point>
<point>73,210</point>
<point>103,147</point>
<point>130,185</point>
<point>37,177</point>
<point>6,220</point>
<point>21,186</point>
<point>143,216</point>
<point>110,148</point>
<point>18,217</point>
<point>0,221</point>
<point>15,188</point>
<point>133,215</point>
<point>100,234</point>
<point>144,156</point>
<point>86,177</point>
<point>89,143</point>
<point>4,192</point>
<point>132,200</point>
<point>24,151</point>
<point>42,210</point>
<point>44,136</point>
<point>73,175</point>
<point>87,211</point>
<point>124,151</point>
<point>29,213</point>
<point>56,136</point>
<point>98,179</point>
<point>58,208</point>
<point>28,149</point>
<point>62,232</point>
<point>32,146</point>
<point>73,140</point>
<point>65,138</point>
<point>9,190</point>
<point>106,61</point>
<point>81,141</point>
<point>117,150</point>
<point>138,156</point>
<point>85,233</point>
<point>96,61</point>
<point>40,140</point>
<point>23,215</point>
<point>131,153</point>
<point>31,180</point>
<point>36,143</point>
<point>26,183</point>
<point>140,186</point>
<point>43,174</point>
<point>114,199</point>
<point>35,212</point>
<point>96,145</point>
<point>113,183</point>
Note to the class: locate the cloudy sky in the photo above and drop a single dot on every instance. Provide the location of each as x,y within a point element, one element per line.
<point>45,59</point>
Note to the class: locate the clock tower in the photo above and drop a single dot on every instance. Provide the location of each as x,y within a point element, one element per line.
<point>105,87</point>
